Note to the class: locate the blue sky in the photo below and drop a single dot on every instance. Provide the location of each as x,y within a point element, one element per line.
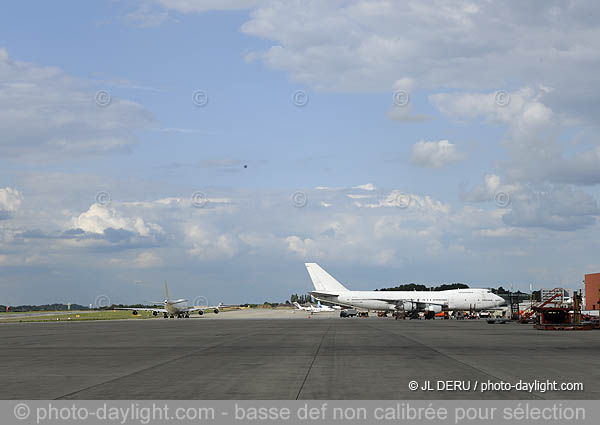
<point>486,175</point>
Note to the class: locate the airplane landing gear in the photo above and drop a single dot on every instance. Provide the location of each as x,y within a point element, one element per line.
<point>399,315</point>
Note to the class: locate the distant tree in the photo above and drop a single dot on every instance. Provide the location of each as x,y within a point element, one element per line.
<point>44,307</point>
<point>447,286</point>
<point>300,299</point>
<point>406,287</point>
<point>420,287</point>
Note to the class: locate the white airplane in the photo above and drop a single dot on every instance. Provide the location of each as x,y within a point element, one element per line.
<point>431,302</point>
<point>318,309</point>
<point>174,308</point>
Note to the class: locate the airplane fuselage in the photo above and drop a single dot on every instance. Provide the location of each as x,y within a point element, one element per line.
<point>175,307</point>
<point>453,299</point>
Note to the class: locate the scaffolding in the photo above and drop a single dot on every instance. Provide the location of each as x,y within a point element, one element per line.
<point>552,313</point>
<point>515,310</point>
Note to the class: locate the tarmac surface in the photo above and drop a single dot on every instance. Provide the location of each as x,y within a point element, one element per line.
<point>283,355</point>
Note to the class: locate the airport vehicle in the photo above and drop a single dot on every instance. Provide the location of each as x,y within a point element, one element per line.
<point>348,312</point>
<point>174,308</point>
<point>312,309</point>
<point>328,289</point>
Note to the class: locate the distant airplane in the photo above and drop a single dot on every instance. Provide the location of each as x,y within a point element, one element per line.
<point>431,302</point>
<point>174,308</point>
<point>312,309</point>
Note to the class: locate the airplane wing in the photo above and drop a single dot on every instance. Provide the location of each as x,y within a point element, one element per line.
<point>160,310</point>
<point>318,294</point>
<point>322,296</point>
<point>216,308</point>
<point>421,304</point>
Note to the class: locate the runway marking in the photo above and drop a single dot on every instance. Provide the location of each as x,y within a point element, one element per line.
<point>444,355</point>
<point>159,364</point>
<point>313,360</point>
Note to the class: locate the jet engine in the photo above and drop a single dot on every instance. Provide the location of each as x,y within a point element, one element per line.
<point>216,311</point>
<point>155,313</point>
<point>200,312</point>
<point>134,312</point>
<point>434,308</point>
<point>408,306</point>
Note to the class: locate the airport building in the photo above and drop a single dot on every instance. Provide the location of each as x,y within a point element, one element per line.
<point>592,291</point>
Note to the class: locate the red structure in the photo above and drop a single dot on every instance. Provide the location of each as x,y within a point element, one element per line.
<point>592,291</point>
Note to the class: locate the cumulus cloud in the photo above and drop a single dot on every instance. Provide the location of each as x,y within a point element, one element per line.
<point>45,112</point>
<point>393,229</point>
<point>533,139</point>
<point>10,201</point>
<point>435,154</point>
<point>488,190</point>
<point>305,248</point>
<point>99,218</point>
<point>366,45</point>
<point>559,208</point>
<point>208,244</point>
<point>553,207</point>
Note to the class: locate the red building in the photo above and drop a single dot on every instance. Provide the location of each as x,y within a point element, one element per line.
<point>592,291</point>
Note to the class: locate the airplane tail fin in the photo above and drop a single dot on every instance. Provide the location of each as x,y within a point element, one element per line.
<point>297,306</point>
<point>166,290</point>
<point>322,280</point>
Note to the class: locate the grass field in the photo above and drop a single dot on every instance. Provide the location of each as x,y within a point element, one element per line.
<point>65,317</point>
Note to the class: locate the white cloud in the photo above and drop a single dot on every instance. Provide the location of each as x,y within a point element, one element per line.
<point>488,190</point>
<point>533,140</point>
<point>435,154</point>
<point>559,208</point>
<point>372,45</point>
<point>522,109</point>
<point>553,207</point>
<point>304,247</point>
<point>368,187</point>
<point>144,260</point>
<point>405,84</point>
<point>10,200</point>
<point>98,218</point>
<point>187,6</point>
<point>404,232</point>
<point>44,112</point>
<point>208,244</point>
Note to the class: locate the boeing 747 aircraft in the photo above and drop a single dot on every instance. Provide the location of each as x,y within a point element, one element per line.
<point>431,302</point>
<point>174,308</point>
